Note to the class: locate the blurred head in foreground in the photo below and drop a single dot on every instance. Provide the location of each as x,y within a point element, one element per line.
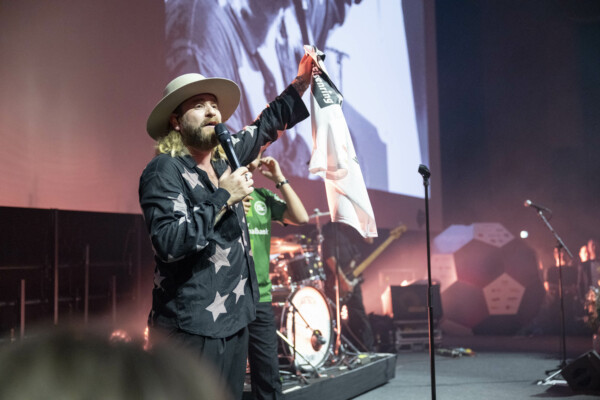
<point>76,365</point>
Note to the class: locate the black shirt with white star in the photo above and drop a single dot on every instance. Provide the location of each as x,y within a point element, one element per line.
<point>204,280</point>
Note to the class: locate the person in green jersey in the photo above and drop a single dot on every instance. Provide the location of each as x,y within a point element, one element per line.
<point>262,207</point>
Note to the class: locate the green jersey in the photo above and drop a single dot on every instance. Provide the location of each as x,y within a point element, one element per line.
<point>266,206</point>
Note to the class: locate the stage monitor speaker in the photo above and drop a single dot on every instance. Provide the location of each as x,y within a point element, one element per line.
<point>410,302</point>
<point>583,374</point>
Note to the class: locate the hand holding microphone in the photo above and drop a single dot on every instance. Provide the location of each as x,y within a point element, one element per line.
<point>225,139</point>
<point>238,182</point>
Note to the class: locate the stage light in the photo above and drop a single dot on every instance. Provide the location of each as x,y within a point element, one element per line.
<point>146,339</point>
<point>344,313</point>
<point>120,335</point>
<point>524,234</point>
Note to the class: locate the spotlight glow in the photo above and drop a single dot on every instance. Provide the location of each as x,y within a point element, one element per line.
<point>524,234</point>
<point>344,313</point>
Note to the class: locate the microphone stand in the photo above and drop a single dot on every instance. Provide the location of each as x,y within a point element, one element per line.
<point>338,320</point>
<point>425,173</point>
<point>316,332</point>
<point>560,245</point>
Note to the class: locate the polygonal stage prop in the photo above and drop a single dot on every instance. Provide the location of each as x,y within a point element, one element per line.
<point>489,279</point>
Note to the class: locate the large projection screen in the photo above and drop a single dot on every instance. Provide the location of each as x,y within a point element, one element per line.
<point>82,78</point>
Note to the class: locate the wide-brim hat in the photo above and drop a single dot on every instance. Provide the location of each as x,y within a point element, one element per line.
<point>182,88</point>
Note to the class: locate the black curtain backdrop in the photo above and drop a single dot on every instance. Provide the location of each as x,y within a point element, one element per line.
<point>519,93</point>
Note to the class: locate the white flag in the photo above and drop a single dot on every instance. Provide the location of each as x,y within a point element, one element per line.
<point>333,155</point>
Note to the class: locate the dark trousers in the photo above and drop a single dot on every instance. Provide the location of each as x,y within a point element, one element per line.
<point>359,325</point>
<point>262,354</point>
<point>226,355</point>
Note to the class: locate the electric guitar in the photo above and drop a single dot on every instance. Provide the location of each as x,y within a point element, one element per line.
<point>351,277</point>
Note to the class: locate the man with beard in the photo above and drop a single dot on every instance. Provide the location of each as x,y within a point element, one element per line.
<point>262,41</point>
<point>205,286</point>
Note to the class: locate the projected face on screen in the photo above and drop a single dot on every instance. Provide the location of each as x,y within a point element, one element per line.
<point>258,45</point>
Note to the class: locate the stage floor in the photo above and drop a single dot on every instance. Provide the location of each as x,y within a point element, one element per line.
<point>501,368</point>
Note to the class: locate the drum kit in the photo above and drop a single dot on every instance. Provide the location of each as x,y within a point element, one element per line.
<point>302,311</point>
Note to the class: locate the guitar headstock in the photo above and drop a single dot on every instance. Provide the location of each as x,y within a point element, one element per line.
<point>398,231</point>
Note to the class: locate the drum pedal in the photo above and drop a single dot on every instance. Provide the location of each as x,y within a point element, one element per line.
<point>363,359</point>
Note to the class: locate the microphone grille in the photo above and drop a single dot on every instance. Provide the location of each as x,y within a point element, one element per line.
<point>424,171</point>
<point>221,129</point>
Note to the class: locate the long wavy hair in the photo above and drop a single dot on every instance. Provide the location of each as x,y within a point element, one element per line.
<point>172,144</point>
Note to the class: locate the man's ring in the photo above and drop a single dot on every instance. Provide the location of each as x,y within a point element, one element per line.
<point>246,176</point>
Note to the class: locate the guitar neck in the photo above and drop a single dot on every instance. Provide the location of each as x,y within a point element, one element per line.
<point>367,261</point>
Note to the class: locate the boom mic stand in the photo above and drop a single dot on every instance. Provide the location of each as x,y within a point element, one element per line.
<point>425,173</point>
<point>316,335</point>
<point>560,245</point>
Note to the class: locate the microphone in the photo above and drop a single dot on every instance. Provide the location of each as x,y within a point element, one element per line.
<point>529,203</point>
<point>317,340</point>
<point>424,171</point>
<point>225,139</point>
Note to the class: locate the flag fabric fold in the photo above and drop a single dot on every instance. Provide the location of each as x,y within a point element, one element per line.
<point>334,157</point>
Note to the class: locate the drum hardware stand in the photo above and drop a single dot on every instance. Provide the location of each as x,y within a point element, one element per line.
<point>560,246</point>
<point>338,340</point>
<point>341,357</point>
<point>338,322</point>
<point>317,214</point>
<point>298,373</point>
<point>345,356</point>
<point>339,337</point>
<point>315,333</point>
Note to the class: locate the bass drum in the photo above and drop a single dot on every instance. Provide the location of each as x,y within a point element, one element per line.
<point>306,322</point>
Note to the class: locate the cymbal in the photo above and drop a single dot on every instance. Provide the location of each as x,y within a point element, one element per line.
<point>318,214</point>
<point>280,245</point>
<point>295,238</point>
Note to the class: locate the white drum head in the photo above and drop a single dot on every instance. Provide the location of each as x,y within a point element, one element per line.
<point>306,322</point>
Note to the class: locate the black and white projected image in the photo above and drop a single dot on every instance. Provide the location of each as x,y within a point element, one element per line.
<point>258,45</point>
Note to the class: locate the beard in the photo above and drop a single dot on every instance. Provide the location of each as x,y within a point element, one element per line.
<point>194,136</point>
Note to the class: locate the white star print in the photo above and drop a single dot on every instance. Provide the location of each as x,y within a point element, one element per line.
<point>220,258</point>
<point>171,258</point>
<point>218,306</point>
<point>239,289</point>
<point>180,206</point>
<point>158,278</point>
<point>250,129</point>
<point>192,178</point>
<point>234,139</point>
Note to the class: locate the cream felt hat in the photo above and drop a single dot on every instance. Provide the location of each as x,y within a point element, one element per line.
<point>182,88</point>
